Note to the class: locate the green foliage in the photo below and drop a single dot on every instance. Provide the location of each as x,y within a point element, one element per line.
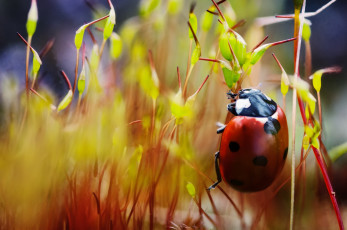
<point>32,18</point>
<point>207,19</point>
<point>66,101</point>
<point>116,46</point>
<point>110,22</point>
<point>79,36</point>
<point>306,31</point>
<point>191,189</point>
<point>194,23</point>
<point>174,6</point>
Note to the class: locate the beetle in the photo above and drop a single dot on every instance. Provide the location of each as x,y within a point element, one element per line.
<point>254,144</point>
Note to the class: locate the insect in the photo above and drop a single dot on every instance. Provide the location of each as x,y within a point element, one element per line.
<point>254,144</point>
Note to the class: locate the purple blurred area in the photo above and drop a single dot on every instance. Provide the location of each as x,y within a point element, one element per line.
<point>58,20</point>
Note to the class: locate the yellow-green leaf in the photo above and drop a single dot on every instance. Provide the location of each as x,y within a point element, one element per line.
<point>207,19</point>
<point>306,31</point>
<point>258,53</point>
<point>79,36</point>
<point>317,80</point>
<point>224,46</point>
<point>116,46</point>
<point>81,84</point>
<point>36,62</point>
<point>32,18</point>
<point>174,6</point>
<point>194,23</point>
<point>110,22</point>
<point>191,189</point>
<point>196,54</point>
<point>66,101</point>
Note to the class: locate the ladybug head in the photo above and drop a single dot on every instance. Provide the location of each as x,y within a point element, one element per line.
<point>252,103</point>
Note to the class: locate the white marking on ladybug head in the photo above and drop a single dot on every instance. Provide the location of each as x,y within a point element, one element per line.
<point>242,104</point>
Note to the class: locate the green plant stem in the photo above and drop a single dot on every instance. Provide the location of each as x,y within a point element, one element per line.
<point>27,67</point>
<point>187,79</point>
<point>188,68</point>
<point>102,48</point>
<point>320,111</point>
<point>329,186</point>
<point>338,151</point>
<point>292,191</point>
<point>76,71</point>
<point>297,44</point>
<point>308,59</point>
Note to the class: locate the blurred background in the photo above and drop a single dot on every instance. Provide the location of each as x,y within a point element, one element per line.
<point>59,20</point>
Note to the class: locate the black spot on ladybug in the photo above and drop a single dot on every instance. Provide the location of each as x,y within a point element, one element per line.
<point>234,146</point>
<point>285,154</point>
<point>260,161</point>
<point>236,183</point>
<point>272,126</point>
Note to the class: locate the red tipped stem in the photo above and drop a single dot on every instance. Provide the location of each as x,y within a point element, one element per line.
<point>278,62</point>
<point>194,35</point>
<point>260,43</point>
<point>283,41</point>
<point>209,59</point>
<point>239,24</point>
<point>66,79</point>
<point>217,7</point>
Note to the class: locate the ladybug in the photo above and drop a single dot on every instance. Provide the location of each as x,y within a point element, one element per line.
<point>254,144</point>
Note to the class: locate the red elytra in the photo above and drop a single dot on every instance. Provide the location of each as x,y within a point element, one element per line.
<point>250,158</point>
<point>254,144</point>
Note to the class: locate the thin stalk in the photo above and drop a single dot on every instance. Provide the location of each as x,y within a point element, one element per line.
<point>320,110</point>
<point>153,120</point>
<point>188,67</point>
<point>102,48</point>
<point>27,67</point>
<point>292,192</point>
<point>298,24</point>
<point>76,71</point>
<point>308,59</point>
<point>329,186</point>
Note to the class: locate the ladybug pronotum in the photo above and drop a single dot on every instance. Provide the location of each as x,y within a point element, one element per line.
<point>254,144</point>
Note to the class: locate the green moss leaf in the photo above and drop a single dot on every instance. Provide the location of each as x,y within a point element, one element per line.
<point>196,54</point>
<point>79,36</point>
<point>258,53</point>
<point>66,101</point>
<point>116,46</point>
<point>32,18</point>
<point>191,189</point>
<point>207,19</point>
<point>224,46</point>
<point>194,23</point>
<point>109,25</point>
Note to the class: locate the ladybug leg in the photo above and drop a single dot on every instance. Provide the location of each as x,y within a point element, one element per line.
<point>219,177</point>
<point>221,128</point>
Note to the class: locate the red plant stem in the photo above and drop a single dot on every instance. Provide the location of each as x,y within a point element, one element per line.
<point>211,12</point>
<point>297,44</point>
<point>283,41</point>
<point>198,90</point>
<point>329,186</point>
<point>209,59</point>
<point>66,79</point>
<point>219,11</point>
<point>259,44</point>
<point>238,24</point>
